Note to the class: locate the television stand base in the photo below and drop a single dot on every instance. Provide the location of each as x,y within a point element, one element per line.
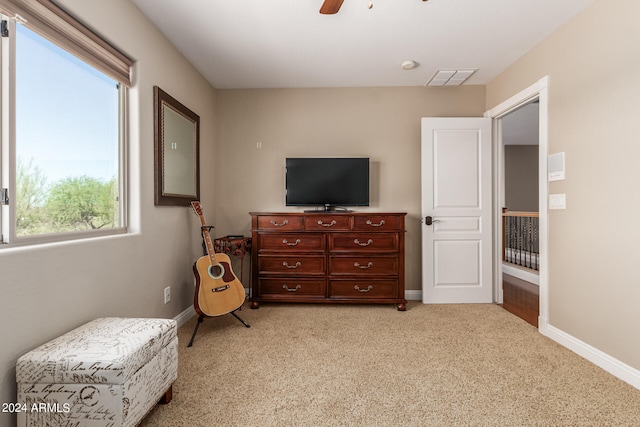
<point>328,209</point>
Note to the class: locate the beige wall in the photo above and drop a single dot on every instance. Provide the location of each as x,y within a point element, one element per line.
<point>50,289</point>
<point>592,63</point>
<point>380,123</point>
<point>521,178</point>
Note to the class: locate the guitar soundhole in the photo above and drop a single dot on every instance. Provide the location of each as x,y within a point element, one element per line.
<point>216,271</point>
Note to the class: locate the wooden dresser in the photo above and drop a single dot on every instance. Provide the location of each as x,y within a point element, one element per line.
<point>319,257</point>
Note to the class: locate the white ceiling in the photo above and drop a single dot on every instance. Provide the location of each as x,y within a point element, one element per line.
<point>287,43</point>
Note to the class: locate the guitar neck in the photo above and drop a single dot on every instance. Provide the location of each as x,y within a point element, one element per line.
<point>208,242</point>
<point>205,232</point>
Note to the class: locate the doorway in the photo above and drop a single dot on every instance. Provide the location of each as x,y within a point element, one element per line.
<point>537,94</point>
<point>519,130</point>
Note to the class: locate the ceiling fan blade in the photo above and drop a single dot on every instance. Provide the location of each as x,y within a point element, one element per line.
<point>329,7</point>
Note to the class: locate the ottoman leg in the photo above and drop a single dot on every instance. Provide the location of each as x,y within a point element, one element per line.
<point>168,395</point>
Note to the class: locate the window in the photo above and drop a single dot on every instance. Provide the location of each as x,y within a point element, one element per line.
<point>62,164</point>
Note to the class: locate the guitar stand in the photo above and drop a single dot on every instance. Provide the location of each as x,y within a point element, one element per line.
<point>201,319</point>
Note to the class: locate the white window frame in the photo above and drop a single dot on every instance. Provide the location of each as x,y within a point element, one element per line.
<point>8,142</point>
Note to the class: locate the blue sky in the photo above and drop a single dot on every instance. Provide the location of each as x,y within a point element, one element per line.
<point>66,112</point>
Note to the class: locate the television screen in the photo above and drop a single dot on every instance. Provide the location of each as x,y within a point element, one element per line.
<point>327,182</point>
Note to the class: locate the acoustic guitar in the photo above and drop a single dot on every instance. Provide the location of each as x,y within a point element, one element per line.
<point>218,290</point>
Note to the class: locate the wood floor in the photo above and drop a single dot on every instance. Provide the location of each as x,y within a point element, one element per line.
<point>521,298</point>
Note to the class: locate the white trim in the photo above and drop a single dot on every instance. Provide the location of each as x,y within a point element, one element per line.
<point>413,295</point>
<point>610,364</point>
<point>518,100</point>
<point>8,130</point>
<point>539,90</point>
<point>499,190</point>
<point>521,274</point>
<point>185,316</point>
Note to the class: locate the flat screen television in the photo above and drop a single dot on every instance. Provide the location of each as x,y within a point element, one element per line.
<point>329,184</point>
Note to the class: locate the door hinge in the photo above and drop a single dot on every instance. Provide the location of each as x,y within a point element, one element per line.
<point>4,28</point>
<point>4,196</point>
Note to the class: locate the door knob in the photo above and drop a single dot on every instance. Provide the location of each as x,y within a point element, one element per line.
<point>429,220</point>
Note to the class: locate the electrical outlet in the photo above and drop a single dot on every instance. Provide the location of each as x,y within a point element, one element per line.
<point>167,294</point>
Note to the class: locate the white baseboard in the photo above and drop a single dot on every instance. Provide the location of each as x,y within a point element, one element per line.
<point>413,295</point>
<point>609,363</point>
<point>184,317</point>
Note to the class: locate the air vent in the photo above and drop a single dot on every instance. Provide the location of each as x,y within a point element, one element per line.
<point>450,77</point>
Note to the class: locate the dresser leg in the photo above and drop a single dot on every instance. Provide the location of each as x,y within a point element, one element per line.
<point>254,305</point>
<point>402,306</point>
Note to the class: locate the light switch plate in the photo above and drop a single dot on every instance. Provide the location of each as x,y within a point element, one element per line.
<point>557,201</point>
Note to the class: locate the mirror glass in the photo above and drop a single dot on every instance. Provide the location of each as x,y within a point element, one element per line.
<point>178,153</point>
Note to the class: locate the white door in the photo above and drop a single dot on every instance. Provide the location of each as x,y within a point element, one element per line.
<point>456,210</point>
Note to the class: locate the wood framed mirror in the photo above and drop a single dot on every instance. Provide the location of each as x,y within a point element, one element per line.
<point>176,155</point>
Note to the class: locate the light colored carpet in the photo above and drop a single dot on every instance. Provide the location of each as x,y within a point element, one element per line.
<point>351,365</point>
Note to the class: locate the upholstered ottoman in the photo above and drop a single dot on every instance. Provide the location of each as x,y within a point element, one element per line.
<point>108,372</point>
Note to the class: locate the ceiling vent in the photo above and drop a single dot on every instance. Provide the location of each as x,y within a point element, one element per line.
<point>450,77</point>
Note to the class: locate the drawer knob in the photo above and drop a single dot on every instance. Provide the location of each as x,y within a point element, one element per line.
<point>282,224</point>
<point>367,243</point>
<point>330,224</point>
<point>357,264</point>
<point>380,224</point>
<point>291,289</point>
<point>357,288</point>
<point>296,265</point>
<point>286,242</point>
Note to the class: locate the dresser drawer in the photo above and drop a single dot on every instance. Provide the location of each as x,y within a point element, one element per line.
<point>328,222</point>
<point>292,288</point>
<point>377,223</point>
<point>285,223</point>
<point>294,242</point>
<point>363,288</point>
<point>363,265</point>
<point>292,264</point>
<point>356,242</point>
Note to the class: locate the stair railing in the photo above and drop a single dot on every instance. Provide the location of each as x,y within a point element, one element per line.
<point>520,238</point>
